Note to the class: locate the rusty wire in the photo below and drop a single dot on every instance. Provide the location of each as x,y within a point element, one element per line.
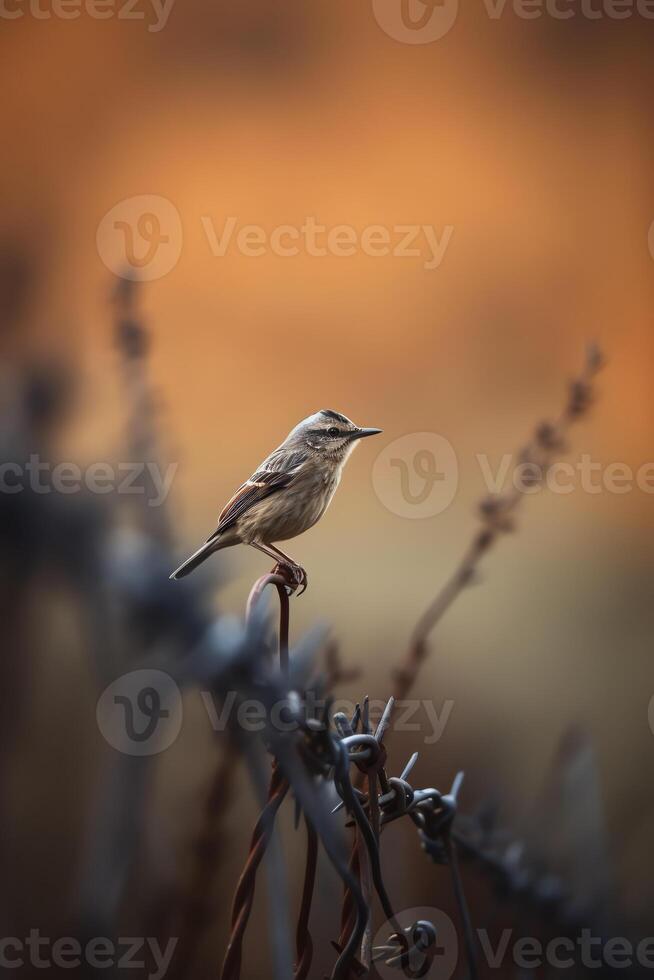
<point>330,754</point>
<point>285,585</point>
<point>303,941</point>
<point>244,895</point>
<point>318,751</point>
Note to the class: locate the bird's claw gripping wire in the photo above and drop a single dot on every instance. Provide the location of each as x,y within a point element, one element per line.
<point>295,577</point>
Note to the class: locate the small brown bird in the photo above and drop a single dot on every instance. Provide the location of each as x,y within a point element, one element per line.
<point>288,493</point>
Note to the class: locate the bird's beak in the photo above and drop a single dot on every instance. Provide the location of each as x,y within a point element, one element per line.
<point>362,433</point>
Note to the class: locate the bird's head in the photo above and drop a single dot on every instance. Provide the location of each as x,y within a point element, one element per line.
<point>328,434</point>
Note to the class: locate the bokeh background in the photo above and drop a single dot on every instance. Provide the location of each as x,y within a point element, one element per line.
<point>530,138</point>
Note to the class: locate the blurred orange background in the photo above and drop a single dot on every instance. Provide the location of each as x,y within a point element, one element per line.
<point>533,140</point>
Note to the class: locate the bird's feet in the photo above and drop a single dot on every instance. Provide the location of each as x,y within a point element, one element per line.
<point>296,577</point>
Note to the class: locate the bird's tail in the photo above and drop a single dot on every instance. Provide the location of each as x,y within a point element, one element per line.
<point>197,558</point>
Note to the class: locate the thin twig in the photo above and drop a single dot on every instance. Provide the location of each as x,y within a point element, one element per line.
<point>497,514</point>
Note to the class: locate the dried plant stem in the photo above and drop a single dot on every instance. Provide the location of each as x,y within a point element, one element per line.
<point>497,514</point>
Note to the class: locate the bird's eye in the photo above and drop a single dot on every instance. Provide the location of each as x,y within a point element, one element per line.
<point>333,431</point>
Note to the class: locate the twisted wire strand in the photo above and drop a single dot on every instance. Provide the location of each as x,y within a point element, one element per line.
<point>244,895</point>
<point>303,941</point>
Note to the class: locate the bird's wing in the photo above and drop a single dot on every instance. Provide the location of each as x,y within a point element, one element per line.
<point>275,473</point>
